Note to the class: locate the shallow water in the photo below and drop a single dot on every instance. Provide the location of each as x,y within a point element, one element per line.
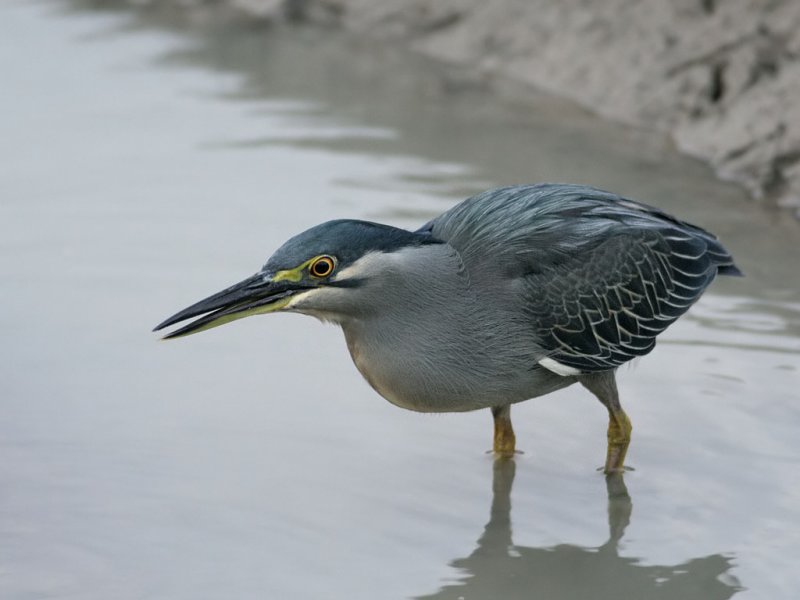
<point>147,163</point>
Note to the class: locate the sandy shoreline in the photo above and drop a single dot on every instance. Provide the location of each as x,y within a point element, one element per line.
<point>721,79</point>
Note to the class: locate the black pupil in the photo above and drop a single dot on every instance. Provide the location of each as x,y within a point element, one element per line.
<point>322,268</point>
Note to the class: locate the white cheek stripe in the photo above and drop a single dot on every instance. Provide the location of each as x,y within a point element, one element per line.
<point>557,368</point>
<point>359,266</point>
<point>299,297</point>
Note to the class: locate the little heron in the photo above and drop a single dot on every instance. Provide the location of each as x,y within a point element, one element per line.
<point>511,294</point>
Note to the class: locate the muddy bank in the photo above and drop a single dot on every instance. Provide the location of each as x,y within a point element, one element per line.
<point>722,78</point>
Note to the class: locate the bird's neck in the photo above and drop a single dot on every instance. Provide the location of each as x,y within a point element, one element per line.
<point>420,330</point>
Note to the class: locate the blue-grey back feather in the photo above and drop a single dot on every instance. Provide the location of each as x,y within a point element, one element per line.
<point>598,276</point>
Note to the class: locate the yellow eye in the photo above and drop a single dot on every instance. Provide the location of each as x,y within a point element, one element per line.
<point>322,266</point>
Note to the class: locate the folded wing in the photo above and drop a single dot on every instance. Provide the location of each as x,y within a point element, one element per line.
<point>599,276</point>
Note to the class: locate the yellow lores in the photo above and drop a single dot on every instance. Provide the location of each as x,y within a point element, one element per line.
<point>319,266</point>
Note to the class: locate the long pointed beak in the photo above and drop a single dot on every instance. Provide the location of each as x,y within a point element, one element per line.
<point>255,295</point>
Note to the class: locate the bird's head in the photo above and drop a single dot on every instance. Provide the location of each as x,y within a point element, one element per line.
<point>322,272</point>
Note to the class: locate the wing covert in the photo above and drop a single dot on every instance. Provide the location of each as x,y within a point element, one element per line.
<point>598,309</point>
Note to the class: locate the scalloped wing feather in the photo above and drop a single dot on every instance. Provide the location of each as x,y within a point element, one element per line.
<point>598,276</point>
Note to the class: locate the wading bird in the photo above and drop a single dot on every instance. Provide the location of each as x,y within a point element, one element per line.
<point>511,294</point>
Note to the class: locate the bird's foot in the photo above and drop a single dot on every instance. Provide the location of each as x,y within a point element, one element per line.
<point>619,438</point>
<point>624,469</point>
<point>498,455</point>
<point>505,441</point>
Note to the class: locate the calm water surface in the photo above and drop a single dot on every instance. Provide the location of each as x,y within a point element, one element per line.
<point>146,165</point>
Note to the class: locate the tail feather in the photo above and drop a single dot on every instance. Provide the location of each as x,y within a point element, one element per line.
<point>729,269</point>
<point>721,257</point>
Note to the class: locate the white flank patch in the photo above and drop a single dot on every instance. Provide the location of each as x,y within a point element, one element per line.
<point>557,368</point>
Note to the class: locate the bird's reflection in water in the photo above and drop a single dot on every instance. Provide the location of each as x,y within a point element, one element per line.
<point>498,569</point>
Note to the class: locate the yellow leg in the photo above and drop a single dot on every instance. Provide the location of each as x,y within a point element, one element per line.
<point>619,438</point>
<point>603,385</point>
<point>504,439</point>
